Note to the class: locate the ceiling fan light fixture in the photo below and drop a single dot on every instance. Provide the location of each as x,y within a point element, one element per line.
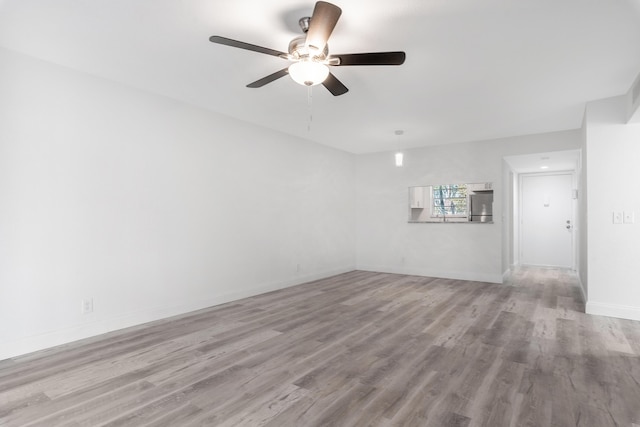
<point>308,72</point>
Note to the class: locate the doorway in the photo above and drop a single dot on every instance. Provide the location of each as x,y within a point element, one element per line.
<point>546,216</point>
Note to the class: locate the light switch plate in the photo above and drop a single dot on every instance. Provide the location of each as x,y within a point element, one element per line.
<point>617,217</point>
<point>629,217</point>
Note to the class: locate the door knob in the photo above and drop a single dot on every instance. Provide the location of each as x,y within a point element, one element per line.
<point>568,227</point>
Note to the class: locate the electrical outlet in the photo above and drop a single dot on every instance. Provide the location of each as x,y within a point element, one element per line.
<point>86,306</point>
<point>629,217</point>
<point>617,217</point>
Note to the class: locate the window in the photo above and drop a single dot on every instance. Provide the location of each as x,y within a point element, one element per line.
<point>449,200</point>
<point>452,203</point>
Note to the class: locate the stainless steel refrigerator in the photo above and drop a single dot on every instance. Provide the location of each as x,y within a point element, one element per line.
<point>481,209</point>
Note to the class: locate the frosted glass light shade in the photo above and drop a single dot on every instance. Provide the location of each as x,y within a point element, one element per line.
<point>308,73</point>
<point>399,159</point>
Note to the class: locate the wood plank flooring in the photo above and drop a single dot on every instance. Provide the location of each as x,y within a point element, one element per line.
<point>358,349</point>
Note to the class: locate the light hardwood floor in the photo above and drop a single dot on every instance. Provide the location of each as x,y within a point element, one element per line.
<point>358,349</point>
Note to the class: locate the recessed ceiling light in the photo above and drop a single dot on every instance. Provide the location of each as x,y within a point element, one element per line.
<point>544,167</point>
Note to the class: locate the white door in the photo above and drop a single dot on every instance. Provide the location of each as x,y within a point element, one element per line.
<point>546,216</point>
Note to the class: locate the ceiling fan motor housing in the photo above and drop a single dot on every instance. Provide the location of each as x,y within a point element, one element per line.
<point>298,50</point>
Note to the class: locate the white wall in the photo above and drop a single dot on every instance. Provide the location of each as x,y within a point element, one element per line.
<point>633,101</point>
<point>149,206</point>
<point>583,214</point>
<point>612,158</point>
<point>514,246</point>
<point>386,242</point>
<point>507,216</point>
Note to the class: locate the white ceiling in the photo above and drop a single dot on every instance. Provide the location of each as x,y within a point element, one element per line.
<point>545,162</point>
<point>474,70</point>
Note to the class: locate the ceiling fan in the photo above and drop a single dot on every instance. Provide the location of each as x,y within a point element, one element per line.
<point>310,53</point>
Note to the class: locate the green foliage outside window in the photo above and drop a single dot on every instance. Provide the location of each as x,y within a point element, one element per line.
<point>449,200</point>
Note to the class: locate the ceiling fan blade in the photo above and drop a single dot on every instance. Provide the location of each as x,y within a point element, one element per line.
<point>268,79</point>
<point>242,45</point>
<point>323,21</point>
<point>373,58</point>
<point>334,85</point>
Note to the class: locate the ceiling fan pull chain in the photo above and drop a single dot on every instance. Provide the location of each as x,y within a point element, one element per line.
<point>310,105</point>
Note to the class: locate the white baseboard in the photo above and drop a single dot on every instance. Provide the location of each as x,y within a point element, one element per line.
<point>613,310</point>
<point>47,340</point>
<point>454,275</point>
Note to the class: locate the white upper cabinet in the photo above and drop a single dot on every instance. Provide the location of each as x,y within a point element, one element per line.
<point>416,197</point>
